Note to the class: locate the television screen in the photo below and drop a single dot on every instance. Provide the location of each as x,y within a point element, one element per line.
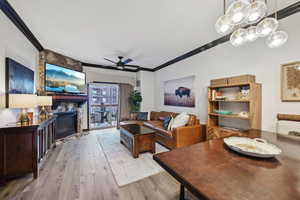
<point>63,80</point>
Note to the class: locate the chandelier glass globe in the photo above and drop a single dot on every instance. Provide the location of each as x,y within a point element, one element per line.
<point>267,26</point>
<point>238,37</point>
<point>251,34</point>
<point>257,10</point>
<point>277,39</point>
<point>223,25</point>
<point>238,11</point>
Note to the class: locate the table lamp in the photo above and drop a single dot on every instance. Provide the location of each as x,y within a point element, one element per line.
<point>2,101</point>
<point>44,101</point>
<point>23,101</point>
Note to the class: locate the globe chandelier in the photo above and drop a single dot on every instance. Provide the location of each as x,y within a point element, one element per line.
<point>246,21</point>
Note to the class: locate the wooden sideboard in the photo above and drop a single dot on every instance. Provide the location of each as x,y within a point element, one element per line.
<point>23,147</point>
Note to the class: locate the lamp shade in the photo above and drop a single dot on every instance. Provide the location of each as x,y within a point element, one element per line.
<point>257,11</point>
<point>251,34</point>
<point>22,100</point>
<point>238,11</point>
<point>224,25</point>
<point>267,26</point>
<point>238,37</point>
<point>44,101</point>
<point>2,100</point>
<point>277,39</point>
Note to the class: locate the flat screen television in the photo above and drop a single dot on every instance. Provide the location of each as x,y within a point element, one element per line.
<point>62,80</point>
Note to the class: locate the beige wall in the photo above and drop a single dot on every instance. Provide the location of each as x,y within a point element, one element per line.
<point>147,90</point>
<point>225,60</point>
<point>113,76</point>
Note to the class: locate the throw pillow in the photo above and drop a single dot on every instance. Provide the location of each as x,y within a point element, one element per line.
<point>170,123</point>
<point>181,120</point>
<point>142,116</point>
<point>166,122</point>
<point>133,116</point>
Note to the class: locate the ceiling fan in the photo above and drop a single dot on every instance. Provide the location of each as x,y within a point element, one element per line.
<point>123,64</point>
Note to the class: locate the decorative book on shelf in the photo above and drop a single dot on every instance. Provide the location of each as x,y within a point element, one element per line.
<point>234,106</point>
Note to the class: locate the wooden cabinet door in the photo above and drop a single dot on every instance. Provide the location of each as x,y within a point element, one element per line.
<point>2,151</point>
<point>19,153</point>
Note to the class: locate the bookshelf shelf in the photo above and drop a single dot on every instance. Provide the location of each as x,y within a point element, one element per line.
<point>229,116</point>
<point>230,101</point>
<point>228,86</point>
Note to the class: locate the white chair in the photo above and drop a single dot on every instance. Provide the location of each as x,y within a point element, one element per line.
<point>288,124</point>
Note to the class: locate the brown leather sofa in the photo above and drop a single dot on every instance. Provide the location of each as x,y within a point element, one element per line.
<point>178,137</point>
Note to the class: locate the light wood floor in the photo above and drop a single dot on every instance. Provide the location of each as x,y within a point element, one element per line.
<point>78,170</point>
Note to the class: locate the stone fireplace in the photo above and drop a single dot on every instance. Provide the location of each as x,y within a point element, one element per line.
<point>68,108</point>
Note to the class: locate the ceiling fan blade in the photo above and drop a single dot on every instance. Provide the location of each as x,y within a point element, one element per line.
<point>127,61</point>
<point>110,60</point>
<point>133,66</point>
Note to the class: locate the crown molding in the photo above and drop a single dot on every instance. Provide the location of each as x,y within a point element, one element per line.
<point>19,23</point>
<point>114,68</point>
<point>106,67</point>
<point>281,14</point>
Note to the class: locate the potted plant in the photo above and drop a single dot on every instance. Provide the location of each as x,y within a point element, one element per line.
<point>135,99</point>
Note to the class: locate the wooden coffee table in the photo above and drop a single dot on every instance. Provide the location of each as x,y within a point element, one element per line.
<point>210,170</point>
<point>137,139</point>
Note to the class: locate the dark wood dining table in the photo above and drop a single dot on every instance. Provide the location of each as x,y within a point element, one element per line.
<point>210,170</point>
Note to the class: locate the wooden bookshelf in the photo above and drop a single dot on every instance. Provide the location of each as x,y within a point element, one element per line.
<point>252,104</point>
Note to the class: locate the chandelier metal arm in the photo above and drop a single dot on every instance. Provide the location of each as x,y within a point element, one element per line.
<point>276,9</point>
<point>225,6</point>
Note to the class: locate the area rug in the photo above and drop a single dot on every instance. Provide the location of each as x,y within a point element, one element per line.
<point>125,168</point>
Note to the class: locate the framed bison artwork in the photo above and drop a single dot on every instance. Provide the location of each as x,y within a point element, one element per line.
<point>180,92</point>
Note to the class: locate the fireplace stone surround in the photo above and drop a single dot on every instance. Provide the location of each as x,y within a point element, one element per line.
<point>68,108</point>
<point>62,103</point>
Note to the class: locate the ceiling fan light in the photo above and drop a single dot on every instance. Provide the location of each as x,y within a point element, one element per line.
<point>251,34</point>
<point>238,37</point>
<point>267,26</point>
<point>238,11</point>
<point>277,39</point>
<point>223,25</point>
<point>257,10</point>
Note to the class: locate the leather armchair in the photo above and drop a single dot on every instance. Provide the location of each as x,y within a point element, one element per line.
<point>187,135</point>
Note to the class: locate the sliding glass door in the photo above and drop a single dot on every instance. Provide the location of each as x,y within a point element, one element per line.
<point>103,105</point>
